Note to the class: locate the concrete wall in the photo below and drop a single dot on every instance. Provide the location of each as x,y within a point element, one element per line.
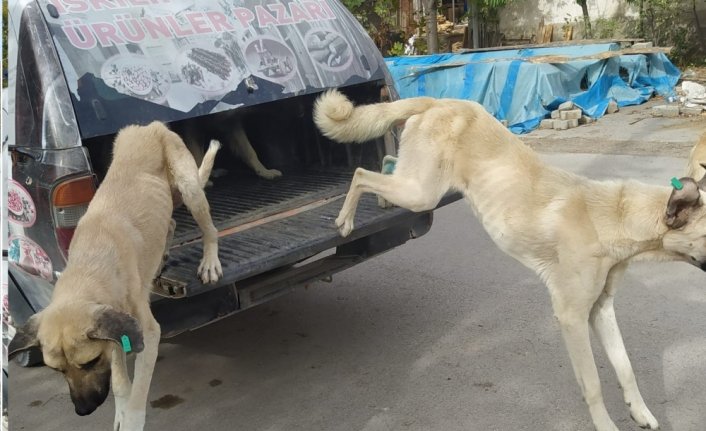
<point>521,18</point>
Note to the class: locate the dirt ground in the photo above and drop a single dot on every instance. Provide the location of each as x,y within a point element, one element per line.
<point>630,131</point>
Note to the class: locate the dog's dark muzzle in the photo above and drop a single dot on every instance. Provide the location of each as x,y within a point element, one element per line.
<point>91,394</point>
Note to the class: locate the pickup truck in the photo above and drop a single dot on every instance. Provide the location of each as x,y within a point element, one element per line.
<point>81,70</point>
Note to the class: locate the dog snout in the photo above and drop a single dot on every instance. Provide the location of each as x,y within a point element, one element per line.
<point>89,395</point>
<point>87,403</point>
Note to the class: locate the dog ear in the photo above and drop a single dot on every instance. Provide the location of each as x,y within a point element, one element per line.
<point>25,337</point>
<point>702,181</point>
<point>682,201</point>
<point>111,325</point>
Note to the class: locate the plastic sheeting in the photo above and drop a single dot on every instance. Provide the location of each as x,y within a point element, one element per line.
<point>523,86</point>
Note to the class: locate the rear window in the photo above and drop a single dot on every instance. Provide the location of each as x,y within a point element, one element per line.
<point>134,61</point>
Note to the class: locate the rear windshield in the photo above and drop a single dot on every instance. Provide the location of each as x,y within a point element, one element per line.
<point>135,61</point>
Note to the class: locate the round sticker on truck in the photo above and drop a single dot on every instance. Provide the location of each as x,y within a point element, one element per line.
<point>328,49</point>
<point>20,207</point>
<point>29,256</point>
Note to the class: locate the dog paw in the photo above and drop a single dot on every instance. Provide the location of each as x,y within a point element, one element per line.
<point>210,270</point>
<point>644,418</point>
<point>270,174</point>
<point>345,225</point>
<point>130,421</point>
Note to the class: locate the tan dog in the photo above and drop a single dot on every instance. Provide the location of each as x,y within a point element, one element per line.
<point>100,305</point>
<point>577,234</point>
<point>227,127</point>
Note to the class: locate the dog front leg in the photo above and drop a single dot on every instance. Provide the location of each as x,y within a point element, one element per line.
<point>135,408</point>
<point>572,296</point>
<point>120,381</point>
<point>606,327</point>
<point>574,328</point>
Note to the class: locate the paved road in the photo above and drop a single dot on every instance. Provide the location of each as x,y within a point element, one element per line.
<point>444,333</point>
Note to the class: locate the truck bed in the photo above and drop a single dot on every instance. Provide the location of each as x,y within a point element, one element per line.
<point>265,225</point>
<point>236,200</point>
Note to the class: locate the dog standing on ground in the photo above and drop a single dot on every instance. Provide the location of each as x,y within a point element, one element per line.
<point>577,234</point>
<point>100,306</point>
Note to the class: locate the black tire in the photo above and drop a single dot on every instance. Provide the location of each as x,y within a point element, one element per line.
<point>31,357</point>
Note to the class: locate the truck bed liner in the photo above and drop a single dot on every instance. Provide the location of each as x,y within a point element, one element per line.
<point>235,200</point>
<point>284,240</point>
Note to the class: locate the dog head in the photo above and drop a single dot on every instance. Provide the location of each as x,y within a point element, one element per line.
<point>78,340</point>
<point>686,219</point>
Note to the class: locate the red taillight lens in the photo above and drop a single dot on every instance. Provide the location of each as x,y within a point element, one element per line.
<point>70,200</point>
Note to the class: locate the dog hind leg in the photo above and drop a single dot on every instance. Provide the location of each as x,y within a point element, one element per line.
<point>240,145</point>
<point>410,193</point>
<point>606,327</point>
<point>388,167</point>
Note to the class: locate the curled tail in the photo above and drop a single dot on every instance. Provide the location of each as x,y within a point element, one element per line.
<point>697,159</point>
<point>339,120</point>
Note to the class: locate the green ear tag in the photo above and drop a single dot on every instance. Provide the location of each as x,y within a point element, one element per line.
<point>677,184</point>
<point>127,347</point>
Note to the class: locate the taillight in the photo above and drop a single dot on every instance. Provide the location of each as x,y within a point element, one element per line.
<point>69,202</point>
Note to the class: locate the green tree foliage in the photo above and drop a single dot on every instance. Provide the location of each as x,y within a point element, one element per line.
<point>673,23</point>
<point>378,17</point>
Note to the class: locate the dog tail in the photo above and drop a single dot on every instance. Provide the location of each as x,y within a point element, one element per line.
<point>697,160</point>
<point>339,120</point>
<point>207,162</point>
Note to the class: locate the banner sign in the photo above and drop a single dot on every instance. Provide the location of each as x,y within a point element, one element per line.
<point>193,57</point>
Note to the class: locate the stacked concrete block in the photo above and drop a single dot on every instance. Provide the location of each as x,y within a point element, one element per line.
<point>546,124</point>
<point>585,119</point>
<point>566,116</point>
<point>572,114</point>
<point>561,124</point>
<point>665,111</point>
<point>612,107</point>
<point>691,110</point>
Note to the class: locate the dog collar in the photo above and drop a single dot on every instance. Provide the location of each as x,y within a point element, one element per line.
<point>677,184</point>
<point>127,347</point>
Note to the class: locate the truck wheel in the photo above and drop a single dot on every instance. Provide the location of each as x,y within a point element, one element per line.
<point>31,357</point>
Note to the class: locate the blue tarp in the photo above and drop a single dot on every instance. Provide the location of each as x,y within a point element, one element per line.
<point>517,86</point>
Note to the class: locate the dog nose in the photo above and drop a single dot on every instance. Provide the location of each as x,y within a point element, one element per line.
<point>85,409</point>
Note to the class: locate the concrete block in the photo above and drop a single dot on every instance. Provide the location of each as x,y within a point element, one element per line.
<point>665,111</point>
<point>561,124</point>
<point>642,45</point>
<point>585,119</point>
<point>546,124</point>
<point>503,122</point>
<point>573,114</point>
<point>573,123</point>
<point>691,110</point>
<point>566,106</point>
<point>556,115</point>
<point>612,107</point>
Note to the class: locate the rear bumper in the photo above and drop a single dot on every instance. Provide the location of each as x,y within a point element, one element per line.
<point>267,260</point>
